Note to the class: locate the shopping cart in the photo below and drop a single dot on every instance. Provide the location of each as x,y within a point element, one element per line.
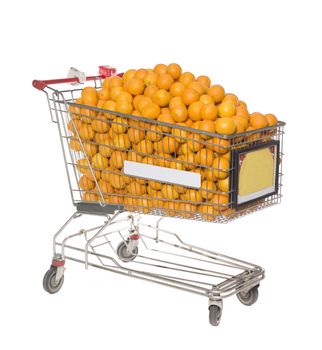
<point>120,166</point>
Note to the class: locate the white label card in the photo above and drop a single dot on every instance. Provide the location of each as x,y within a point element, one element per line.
<point>162,174</point>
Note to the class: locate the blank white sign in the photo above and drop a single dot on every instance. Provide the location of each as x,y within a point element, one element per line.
<point>162,174</point>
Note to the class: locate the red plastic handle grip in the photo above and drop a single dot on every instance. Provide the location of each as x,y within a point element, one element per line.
<point>41,84</point>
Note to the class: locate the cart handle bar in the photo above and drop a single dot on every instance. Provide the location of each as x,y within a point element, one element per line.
<point>104,72</point>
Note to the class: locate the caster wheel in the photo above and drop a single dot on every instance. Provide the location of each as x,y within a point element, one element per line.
<point>49,282</point>
<point>248,298</point>
<point>124,255</point>
<point>214,315</point>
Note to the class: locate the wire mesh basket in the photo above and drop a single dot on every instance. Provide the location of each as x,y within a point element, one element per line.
<point>125,161</point>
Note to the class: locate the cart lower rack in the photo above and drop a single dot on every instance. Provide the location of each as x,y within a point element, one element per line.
<point>120,164</point>
<point>124,244</point>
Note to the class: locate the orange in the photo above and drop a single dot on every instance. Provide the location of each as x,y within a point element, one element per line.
<point>155,185</point>
<point>154,134</point>
<point>201,89</point>
<point>105,149</point>
<point>187,210</point>
<point>204,80</point>
<point>74,125</point>
<point>242,104</point>
<point>206,99</point>
<point>135,135</point>
<point>119,125</point>
<point>124,107</point>
<point>95,175</point>
<point>90,197</point>
<point>115,91</point>
<point>110,106</point>
<point>192,195</point>
<point>241,111</point>
<point>186,78</point>
<point>174,70</point>
<point>258,121</point>
<point>208,126</point>
<point>207,189</point>
<point>177,89</point>
<point>86,132</point>
<point>151,111</point>
<point>89,96</point>
<point>231,98</point>
<point>217,92</point>
<point>165,110</point>
<point>90,149</point>
<point>181,135</point>
<point>140,74</point>
<point>82,165</point>
<point>105,84</point>
<point>179,113</point>
<point>207,211</point>
<point>208,112</point>
<point>145,146</point>
<point>241,123</point>
<point>189,122</point>
<point>181,189</point>
<point>163,159</point>
<point>134,157</point>
<point>100,125</point>
<point>122,141</point>
<point>220,202</point>
<point>165,118</point>
<point>117,159</point>
<point>223,184</point>
<point>164,81</point>
<point>124,96</point>
<point>99,162</point>
<point>177,165</point>
<point>75,112</point>
<point>226,156</point>
<point>161,97</point>
<point>195,142</point>
<point>117,181</point>
<point>135,86</point>
<point>271,119</point>
<point>204,157</point>
<point>175,101</point>
<point>136,189</point>
<point>104,94</point>
<point>143,102</point>
<point>150,90</point>
<point>136,100</point>
<point>129,74</point>
<point>115,81</point>
<point>190,95</point>
<point>105,186</point>
<point>194,110</point>
<point>169,144</point>
<point>169,192</point>
<point>226,109</point>
<point>85,183</point>
<point>87,115</point>
<point>218,145</point>
<point>171,207</point>
<point>151,79</point>
<point>225,126</point>
<point>189,160</point>
<point>160,68</point>
<point>100,103</point>
<point>221,167</point>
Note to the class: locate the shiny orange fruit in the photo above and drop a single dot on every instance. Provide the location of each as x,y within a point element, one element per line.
<point>231,98</point>
<point>225,126</point>
<point>140,74</point>
<point>186,78</point>
<point>206,99</point>
<point>194,110</point>
<point>161,97</point>
<point>217,92</point>
<point>201,89</point>
<point>204,157</point>
<point>226,109</point>
<point>151,111</point>
<point>104,94</point>
<point>150,90</point>
<point>189,96</point>
<point>208,189</point>
<point>204,80</point>
<point>160,68</point>
<point>258,120</point>
<point>208,112</point>
<point>177,89</point>
<point>179,113</point>
<point>164,81</point>
<point>219,145</point>
<point>271,119</point>
<point>135,86</point>
<point>174,70</point>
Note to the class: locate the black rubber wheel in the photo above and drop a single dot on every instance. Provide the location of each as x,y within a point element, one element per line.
<point>124,255</point>
<point>248,298</point>
<point>214,315</point>
<point>49,283</point>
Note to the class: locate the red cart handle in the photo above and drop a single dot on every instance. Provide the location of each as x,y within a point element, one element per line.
<point>104,72</point>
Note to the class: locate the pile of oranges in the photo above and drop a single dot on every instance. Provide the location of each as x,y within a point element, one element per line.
<point>164,94</point>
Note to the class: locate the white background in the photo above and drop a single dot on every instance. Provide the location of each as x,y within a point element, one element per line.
<point>269,54</point>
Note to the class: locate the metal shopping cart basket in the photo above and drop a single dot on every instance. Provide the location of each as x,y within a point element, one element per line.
<point>121,166</point>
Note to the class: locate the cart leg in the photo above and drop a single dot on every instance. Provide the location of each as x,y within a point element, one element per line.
<point>54,277</point>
